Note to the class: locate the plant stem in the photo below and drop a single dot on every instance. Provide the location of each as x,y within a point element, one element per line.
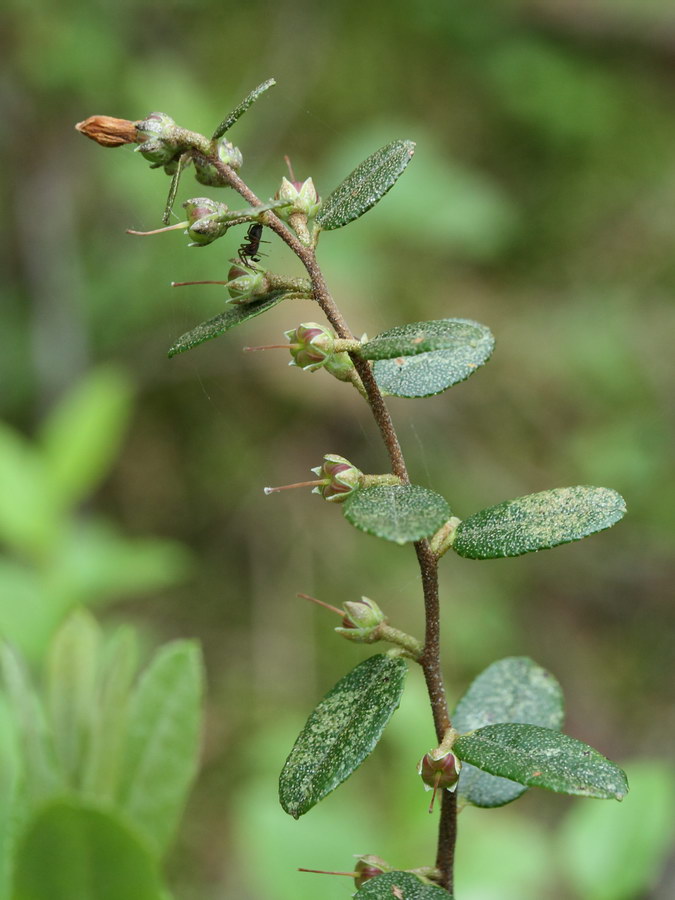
<point>428,561</point>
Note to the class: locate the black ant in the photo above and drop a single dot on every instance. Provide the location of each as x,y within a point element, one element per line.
<point>250,249</point>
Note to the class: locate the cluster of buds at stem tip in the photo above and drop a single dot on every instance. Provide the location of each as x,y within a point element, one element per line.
<point>439,768</point>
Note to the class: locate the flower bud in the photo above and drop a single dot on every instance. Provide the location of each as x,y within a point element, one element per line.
<point>439,771</point>
<point>108,131</point>
<point>227,153</point>
<point>312,345</point>
<point>246,285</point>
<point>361,620</point>
<point>157,151</point>
<point>301,197</point>
<point>369,867</point>
<point>341,367</point>
<point>156,125</point>
<point>204,218</point>
<point>341,478</point>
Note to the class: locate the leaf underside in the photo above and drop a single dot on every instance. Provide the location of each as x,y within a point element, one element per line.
<point>514,689</point>
<point>429,373</point>
<point>400,513</point>
<point>341,732</point>
<point>235,315</point>
<point>538,522</point>
<point>397,885</point>
<point>365,186</point>
<point>540,757</point>
<point>239,110</point>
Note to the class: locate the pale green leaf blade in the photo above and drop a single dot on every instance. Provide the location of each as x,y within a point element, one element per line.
<point>163,741</point>
<point>109,725</point>
<point>401,513</point>
<point>383,887</point>
<point>41,773</point>
<point>538,522</point>
<point>470,345</point>
<point>540,757</point>
<point>71,690</point>
<point>424,337</point>
<point>514,689</point>
<point>82,435</point>
<point>72,852</point>
<point>341,732</point>
<point>366,185</point>
<point>235,315</point>
<point>239,110</point>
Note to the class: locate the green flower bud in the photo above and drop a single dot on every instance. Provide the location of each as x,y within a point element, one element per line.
<point>204,218</point>
<point>312,345</point>
<point>341,478</point>
<point>439,771</point>
<point>246,285</point>
<point>157,151</point>
<point>361,620</point>
<point>228,154</point>
<point>156,125</point>
<point>301,197</point>
<point>341,367</point>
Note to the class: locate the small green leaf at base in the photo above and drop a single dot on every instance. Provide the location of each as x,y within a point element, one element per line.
<point>514,689</point>
<point>219,324</point>
<point>341,732</point>
<point>366,185</point>
<point>468,345</point>
<point>538,522</point>
<point>540,757</point>
<point>401,513</point>
<point>383,887</point>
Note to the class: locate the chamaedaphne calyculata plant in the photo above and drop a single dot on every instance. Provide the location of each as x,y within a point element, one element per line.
<point>504,734</point>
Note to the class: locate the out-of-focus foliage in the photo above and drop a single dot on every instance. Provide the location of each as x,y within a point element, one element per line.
<point>99,767</point>
<point>540,202</point>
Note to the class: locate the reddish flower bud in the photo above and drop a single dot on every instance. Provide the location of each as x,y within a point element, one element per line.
<point>439,771</point>
<point>312,345</point>
<point>341,478</point>
<point>369,867</point>
<point>246,285</point>
<point>301,197</point>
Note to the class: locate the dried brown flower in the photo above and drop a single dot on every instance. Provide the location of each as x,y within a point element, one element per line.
<point>107,131</point>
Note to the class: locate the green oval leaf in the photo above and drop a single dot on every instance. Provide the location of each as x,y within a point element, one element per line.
<point>235,315</point>
<point>239,111</point>
<point>366,185</point>
<point>341,732</point>
<point>409,888</point>
<point>538,522</point>
<point>514,689</point>
<point>540,757</point>
<point>70,851</point>
<point>397,512</point>
<point>469,345</point>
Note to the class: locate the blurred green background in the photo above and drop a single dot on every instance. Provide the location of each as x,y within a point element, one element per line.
<point>541,202</point>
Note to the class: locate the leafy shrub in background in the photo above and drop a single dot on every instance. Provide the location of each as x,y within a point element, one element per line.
<point>505,733</point>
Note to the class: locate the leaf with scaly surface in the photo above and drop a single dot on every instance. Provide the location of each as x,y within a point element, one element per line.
<point>366,185</point>
<point>341,732</point>
<point>468,346</point>
<point>219,324</point>
<point>401,513</point>
<point>238,111</point>
<point>538,522</point>
<point>400,886</point>
<point>514,689</point>
<point>540,757</point>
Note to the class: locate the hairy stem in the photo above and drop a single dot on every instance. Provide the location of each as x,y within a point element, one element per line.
<point>428,561</point>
